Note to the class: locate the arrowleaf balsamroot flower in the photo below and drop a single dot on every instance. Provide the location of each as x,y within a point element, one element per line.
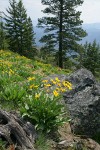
<point>57,80</point>
<point>31,78</point>
<point>45,81</point>
<point>56,94</point>
<point>47,85</point>
<point>53,81</point>
<point>37,96</point>
<point>67,84</point>
<point>33,86</point>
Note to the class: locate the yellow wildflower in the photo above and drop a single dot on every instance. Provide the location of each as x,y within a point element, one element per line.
<point>54,82</point>
<point>55,93</point>
<point>57,79</point>
<point>11,72</point>
<point>63,89</point>
<point>67,84</point>
<point>36,86</point>
<point>31,86</point>
<point>59,84</point>
<point>31,78</point>
<point>37,95</point>
<point>45,81</point>
<point>57,89</point>
<point>69,87</point>
<point>47,85</point>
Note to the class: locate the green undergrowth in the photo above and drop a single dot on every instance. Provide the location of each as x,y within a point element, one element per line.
<point>23,89</point>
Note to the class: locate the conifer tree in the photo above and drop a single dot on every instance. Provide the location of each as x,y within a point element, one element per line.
<point>30,35</point>
<point>19,27</point>
<point>3,39</point>
<point>1,36</point>
<point>63,25</point>
<point>91,57</point>
<point>11,25</point>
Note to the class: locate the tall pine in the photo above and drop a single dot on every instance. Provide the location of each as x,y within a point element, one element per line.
<point>3,33</point>
<point>11,26</point>
<point>62,26</point>
<point>20,28</point>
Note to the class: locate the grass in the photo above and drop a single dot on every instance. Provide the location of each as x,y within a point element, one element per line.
<point>18,72</point>
<point>42,143</point>
<point>14,65</point>
<point>22,88</point>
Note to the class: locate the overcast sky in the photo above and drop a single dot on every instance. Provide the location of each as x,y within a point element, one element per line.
<point>90,9</point>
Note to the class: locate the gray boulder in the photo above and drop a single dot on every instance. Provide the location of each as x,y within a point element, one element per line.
<point>83,103</point>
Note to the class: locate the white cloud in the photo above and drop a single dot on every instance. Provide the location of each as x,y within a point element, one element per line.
<point>90,9</point>
<point>34,8</point>
<point>3,4</point>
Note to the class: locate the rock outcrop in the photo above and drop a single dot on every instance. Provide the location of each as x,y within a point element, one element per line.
<point>83,103</point>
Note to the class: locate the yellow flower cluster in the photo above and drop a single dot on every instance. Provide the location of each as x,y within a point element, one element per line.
<point>19,68</point>
<point>5,53</point>
<point>31,78</point>
<point>6,63</point>
<point>33,86</point>
<point>67,84</point>
<point>37,96</point>
<point>60,86</point>
<point>55,93</point>
<point>11,72</point>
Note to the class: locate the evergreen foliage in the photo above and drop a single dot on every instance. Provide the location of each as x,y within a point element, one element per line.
<point>91,57</point>
<point>62,26</point>
<point>3,39</point>
<point>20,28</point>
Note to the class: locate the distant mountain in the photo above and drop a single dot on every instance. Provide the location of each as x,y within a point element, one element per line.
<point>93,31</point>
<point>38,34</point>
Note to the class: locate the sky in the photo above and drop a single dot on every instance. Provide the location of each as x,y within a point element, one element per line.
<point>90,9</point>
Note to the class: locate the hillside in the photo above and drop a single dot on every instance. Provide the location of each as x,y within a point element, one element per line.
<point>20,64</point>
<point>33,113</point>
<point>24,89</point>
<point>16,70</point>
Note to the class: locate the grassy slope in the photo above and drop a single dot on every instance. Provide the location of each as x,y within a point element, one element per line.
<point>20,67</point>
<point>17,72</point>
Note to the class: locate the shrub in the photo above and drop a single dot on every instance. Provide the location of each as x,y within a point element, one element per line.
<point>42,105</point>
<point>44,111</point>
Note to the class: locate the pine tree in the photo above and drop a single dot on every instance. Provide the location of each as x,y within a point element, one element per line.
<point>63,26</point>
<point>11,25</point>
<point>19,27</point>
<point>91,57</point>
<point>3,39</point>
<point>30,35</point>
<point>1,35</point>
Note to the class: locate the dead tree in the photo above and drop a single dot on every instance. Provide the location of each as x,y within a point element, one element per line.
<point>16,132</point>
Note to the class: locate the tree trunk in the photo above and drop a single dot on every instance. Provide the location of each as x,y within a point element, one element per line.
<point>60,35</point>
<point>18,134</point>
